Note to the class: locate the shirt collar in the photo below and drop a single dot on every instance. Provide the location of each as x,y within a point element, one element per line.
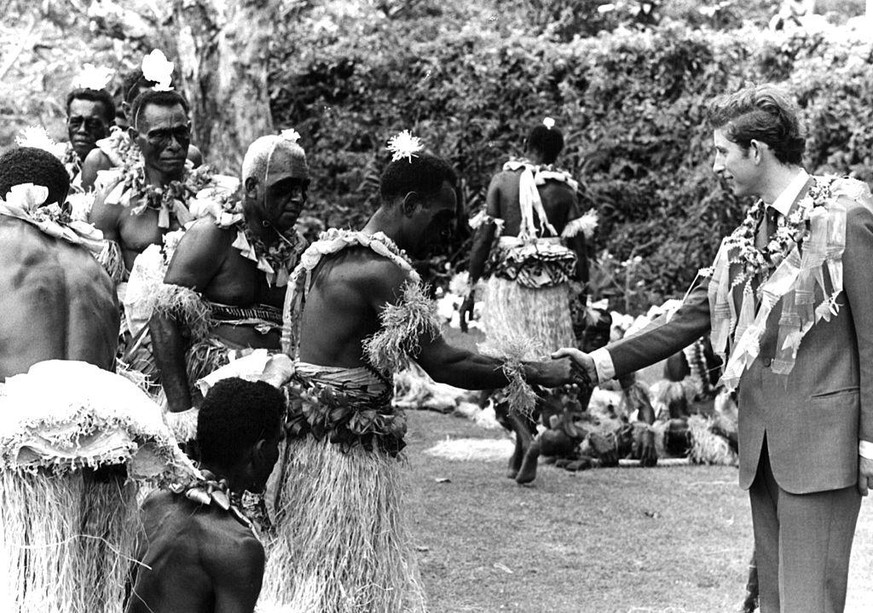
<point>783,203</point>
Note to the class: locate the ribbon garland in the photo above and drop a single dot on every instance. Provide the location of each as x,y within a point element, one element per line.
<point>789,268</point>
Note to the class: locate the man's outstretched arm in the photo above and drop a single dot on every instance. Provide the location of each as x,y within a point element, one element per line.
<point>385,286</point>
<point>468,370</point>
<point>659,340</point>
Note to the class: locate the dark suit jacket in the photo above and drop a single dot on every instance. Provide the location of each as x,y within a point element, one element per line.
<point>814,416</point>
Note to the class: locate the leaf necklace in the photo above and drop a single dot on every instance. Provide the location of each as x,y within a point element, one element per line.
<point>212,491</point>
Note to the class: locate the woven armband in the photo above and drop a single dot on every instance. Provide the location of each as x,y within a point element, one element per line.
<point>397,343</point>
<point>518,393</point>
<point>185,306</point>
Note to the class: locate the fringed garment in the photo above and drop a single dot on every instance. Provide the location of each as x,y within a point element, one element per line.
<point>528,296</point>
<point>72,440</point>
<point>527,299</point>
<point>526,305</point>
<point>342,542</point>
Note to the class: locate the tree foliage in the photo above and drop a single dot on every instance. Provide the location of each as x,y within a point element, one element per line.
<point>627,85</point>
<point>631,102</point>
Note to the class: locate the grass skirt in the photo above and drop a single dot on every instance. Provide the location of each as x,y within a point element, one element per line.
<point>512,312</point>
<point>66,541</point>
<point>342,544</point>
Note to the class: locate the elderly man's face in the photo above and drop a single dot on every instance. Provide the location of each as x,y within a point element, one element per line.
<point>163,137</point>
<point>281,198</point>
<point>86,124</point>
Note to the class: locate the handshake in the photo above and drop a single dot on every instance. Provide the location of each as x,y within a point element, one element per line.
<point>568,366</point>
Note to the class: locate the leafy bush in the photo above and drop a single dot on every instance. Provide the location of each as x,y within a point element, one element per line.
<point>631,103</point>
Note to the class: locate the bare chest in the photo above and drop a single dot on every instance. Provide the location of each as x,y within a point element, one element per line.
<point>241,283</point>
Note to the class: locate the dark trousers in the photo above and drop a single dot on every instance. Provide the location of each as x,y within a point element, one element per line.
<point>802,543</point>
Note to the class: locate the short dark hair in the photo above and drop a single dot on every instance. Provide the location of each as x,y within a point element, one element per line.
<point>31,165</point>
<point>157,98</point>
<point>424,173</point>
<point>235,415</point>
<point>548,142</point>
<point>95,95</point>
<point>761,112</point>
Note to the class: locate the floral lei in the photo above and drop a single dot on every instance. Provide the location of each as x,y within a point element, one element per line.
<point>71,162</point>
<point>759,263</point>
<point>281,255</point>
<point>168,200</point>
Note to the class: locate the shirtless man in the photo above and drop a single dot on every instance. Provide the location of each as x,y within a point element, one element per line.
<point>355,313</point>
<point>59,310</point>
<point>162,135</point>
<point>224,262</point>
<point>538,269</point>
<point>57,301</point>
<point>199,552</point>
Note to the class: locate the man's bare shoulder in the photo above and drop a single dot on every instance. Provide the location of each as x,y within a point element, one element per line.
<point>505,178</point>
<point>26,244</point>
<point>210,530</point>
<point>206,234</point>
<point>97,160</point>
<point>104,216</point>
<point>365,269</point>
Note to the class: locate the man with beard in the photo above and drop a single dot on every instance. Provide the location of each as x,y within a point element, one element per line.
<point>225,286</point>
<point>356,312</point>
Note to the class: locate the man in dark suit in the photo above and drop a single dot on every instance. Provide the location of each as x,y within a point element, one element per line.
<point>789,301</point>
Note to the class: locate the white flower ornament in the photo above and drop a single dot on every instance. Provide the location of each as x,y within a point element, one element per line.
<point>38,138</point>
<point>92,77</point>
<point>404,145</point>
<point>156,67</point>
<point>290,135</point>
<point>26,197</point>
<point>549,123</point>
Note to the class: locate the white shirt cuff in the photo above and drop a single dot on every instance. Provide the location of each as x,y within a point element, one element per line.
<point>603,364</point>
<point>865,449</point>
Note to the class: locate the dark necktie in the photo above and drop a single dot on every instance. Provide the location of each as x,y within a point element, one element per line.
<point>772,218</point>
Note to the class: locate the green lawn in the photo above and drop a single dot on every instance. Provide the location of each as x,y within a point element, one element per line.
<point>662,540</point>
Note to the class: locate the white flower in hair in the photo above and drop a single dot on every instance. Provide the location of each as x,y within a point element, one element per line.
<point>404,145</point>
<point>156,67</point>
<point>92,77</point>
<point>549,123</point>
<point>291,135</point>
<point>26,197</point>
<point>38,138</point>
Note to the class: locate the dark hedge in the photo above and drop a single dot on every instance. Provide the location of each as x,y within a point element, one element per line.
<point>631,103</point>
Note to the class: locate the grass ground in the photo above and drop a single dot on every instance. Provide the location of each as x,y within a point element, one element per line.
<point>666,540</point>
